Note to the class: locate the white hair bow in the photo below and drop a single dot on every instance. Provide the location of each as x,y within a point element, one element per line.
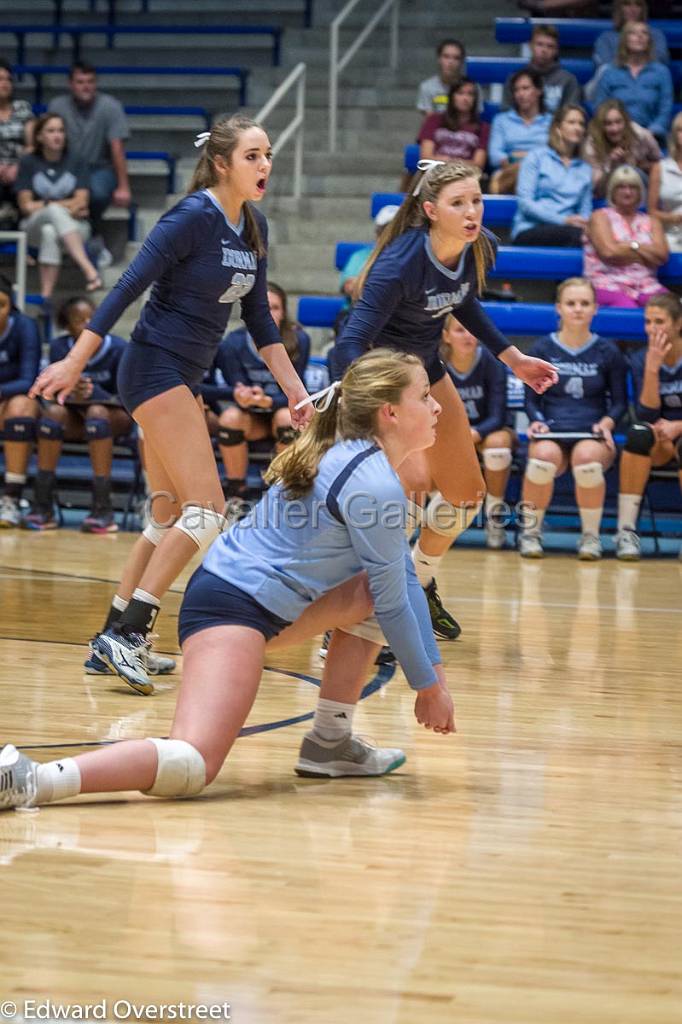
<point>326,393</point>
<point>201,139</point>
<point>425,166</point>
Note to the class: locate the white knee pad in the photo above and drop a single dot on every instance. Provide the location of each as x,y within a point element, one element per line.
<point>414,517</point>
<point>497,459</point>
<point>540,472</point>
<point>203,525</point>
<point>155,534</point>
<point>181,770</point>
<point>449,520</point>
<point>368,629</point>
<point>591,474</point>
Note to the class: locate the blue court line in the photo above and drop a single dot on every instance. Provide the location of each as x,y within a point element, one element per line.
<point>381,679</point>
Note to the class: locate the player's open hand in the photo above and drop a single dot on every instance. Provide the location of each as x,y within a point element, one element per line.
<point>56,381</point>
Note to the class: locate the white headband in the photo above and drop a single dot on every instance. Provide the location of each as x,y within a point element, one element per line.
<point>201,139</point>
<point>326,393</point>
<point>425,166</point>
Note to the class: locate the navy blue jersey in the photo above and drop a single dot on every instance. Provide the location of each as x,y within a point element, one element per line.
<point>239,362</point>
<point>101,369</point>
<point>19,355</point>
<point>592,384</point>
<point>669,388</point>
<point>199,265</point>
<point>484,392</point>
<point>406,297</point>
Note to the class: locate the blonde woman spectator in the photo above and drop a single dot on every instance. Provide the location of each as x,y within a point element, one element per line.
<point>625,12</point>
<point>614,139</point>
<point>624,247</point>
<point>665,188</point>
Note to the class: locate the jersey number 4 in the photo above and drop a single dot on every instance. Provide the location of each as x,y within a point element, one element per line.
<point>241,286</point>
<point>574,387</point>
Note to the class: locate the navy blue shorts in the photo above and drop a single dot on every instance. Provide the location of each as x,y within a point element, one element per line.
<point>146,371</point>
<point>212,601</point>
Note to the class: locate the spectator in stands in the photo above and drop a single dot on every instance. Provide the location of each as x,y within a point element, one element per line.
<point>665,188</point>
<point>458,133</point>
<point>559,87</point>
<point>589,398</point>
<point>625,12</point>
<point>52,192</point>
<point>614,139</point>
<point>259,408</point>
<point>92,413</point>
<point>656,438</point>
<point>515,132</point>
<point>638,80</point>
<point>433,92</point>
<point>97,130</point>
<point>354,264</point>
<point>481,381</point>
<point>624,247</point>
<point>16,127</point>
<point>555,186</point>
<point>19,361</point>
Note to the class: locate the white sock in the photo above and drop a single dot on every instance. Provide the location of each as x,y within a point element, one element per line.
<point>492,503</point>
<point>628,510</point>
<point>333,720</point>
<point>590,519</point>
<point>58,780</point>
<point>144,595</point>
<point>119,603</point>
<point>15,478</point>
<point>538,517</point>
<point>425,566</point>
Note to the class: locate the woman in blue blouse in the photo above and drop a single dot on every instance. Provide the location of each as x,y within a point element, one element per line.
<point>639,81</point>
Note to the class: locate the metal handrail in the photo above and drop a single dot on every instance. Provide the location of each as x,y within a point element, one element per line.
<point>336,66</point>
<point>18,238</point>
<point>295,126</point>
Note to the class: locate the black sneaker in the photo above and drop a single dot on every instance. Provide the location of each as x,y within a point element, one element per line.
<point>384,657</point>
<point>444,626</point>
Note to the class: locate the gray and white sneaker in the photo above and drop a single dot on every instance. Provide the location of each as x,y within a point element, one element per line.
<point>10,514</point>
<point>628,547</point>
<point>157,664</point>
<point>126,655</point>
<point>18,778</point>
<point>495,535</point>
<point>530,545</point>
<point>589,548</point>
<point>325,759</point>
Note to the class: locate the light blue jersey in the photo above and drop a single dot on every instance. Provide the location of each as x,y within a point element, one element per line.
<point>285,554</point>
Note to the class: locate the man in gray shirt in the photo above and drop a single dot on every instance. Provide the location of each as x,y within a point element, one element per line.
<point>559,87</point>
<point>96,129</point>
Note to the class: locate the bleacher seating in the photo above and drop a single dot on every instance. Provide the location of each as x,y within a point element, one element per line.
<point>574,31</point>
<point>492,70</point>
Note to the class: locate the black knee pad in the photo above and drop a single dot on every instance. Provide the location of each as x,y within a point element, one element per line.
<point>19,428</point>
<point>678,451</point>
<point>51,430</point>
<point>640,439</point>
<point>285,435</point>
<point>97,429</point>
<point>229,438</point>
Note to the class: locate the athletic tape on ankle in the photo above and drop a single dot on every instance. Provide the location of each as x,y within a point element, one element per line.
<point>181,770</point>
<point>590,474</point>
<point>203,525</point>
<point>497,459</point>
<point>368,629</point>
<point>449,520</point>
<point>540,472</point>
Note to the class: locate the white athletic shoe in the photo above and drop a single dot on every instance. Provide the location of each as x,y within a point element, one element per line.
<point>324,759</point>
<point>18,779</point>
<point>10,515</point>
<point>126,655</point>
<point>495,535</point>
<point>530,545</point>
<point>157,664</point>
<point>589,548</point>
<point>628,547</point>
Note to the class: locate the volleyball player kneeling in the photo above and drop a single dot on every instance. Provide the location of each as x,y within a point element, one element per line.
<point>290,570</point>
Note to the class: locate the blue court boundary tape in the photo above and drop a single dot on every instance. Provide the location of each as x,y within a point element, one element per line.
<point>381,679</point>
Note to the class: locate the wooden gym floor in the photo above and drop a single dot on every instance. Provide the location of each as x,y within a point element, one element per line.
<point>525,871</point>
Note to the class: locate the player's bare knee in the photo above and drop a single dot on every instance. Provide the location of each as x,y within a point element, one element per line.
<point>21,405</point>
<point>233,418</point>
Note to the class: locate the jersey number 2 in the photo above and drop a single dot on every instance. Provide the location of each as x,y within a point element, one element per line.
<point>241,286</point>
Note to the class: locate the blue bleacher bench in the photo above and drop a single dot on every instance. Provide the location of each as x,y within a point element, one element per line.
<point>526,263</point>
<point>38,72</point>
<point>498,211</point>
<point>512,318</point>
<point>156,154</point>
<point>574,31</point>
<point>488,70</point>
